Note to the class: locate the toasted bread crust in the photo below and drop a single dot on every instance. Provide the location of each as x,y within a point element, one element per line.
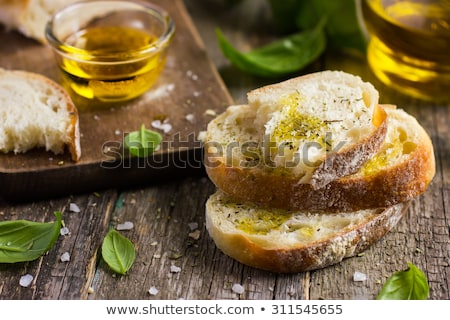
<point>307,256</point>
<point>387,188</point>
<point>384,188</point>
<point>350,160</point>
<point>352,156</point>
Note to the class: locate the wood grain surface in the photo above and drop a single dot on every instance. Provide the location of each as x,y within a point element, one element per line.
<point>168,214</point>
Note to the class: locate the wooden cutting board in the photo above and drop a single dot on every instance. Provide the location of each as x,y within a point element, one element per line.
<point>188,94</point>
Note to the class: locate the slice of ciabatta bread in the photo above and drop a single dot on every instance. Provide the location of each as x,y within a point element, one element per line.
<point>316,128</point>
<point>36,112</point>
<point>293,241</point>
<point>29,16</point>
<point>400,171</point>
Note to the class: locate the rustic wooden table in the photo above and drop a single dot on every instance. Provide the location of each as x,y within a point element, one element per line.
<point>168,214</point>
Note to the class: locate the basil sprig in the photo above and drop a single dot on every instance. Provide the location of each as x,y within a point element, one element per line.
<point>23,240</point>
<point>118,252</point>
<point>410,284</point>
<point>143,142</point>
<point>312,27</point>
<point>280,57</point>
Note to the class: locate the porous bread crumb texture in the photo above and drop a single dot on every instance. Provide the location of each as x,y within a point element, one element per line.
<point>402,139</point>
<point>273,228</point>
<point>295,125</point>
<point>295,242</point>
<point>34,114</point>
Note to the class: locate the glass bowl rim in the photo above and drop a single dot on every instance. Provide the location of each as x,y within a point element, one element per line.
<point>76,53</point>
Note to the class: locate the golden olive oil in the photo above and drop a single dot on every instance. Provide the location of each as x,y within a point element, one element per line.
<point>111,63</point>
<point>409,46</point>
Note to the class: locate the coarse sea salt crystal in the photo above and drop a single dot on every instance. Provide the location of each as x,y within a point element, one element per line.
<point>359,276</point>
<point>65,257</point>
<point>64,231</point>
<point>237,288</point>
<point>164,126</point>
<point>190,117</point>
<point>175,269</point>
<point>74,207</point>
<point>127,225</point>
<point>26,280</point>
<point>153,291</point>
<point>192,225</point>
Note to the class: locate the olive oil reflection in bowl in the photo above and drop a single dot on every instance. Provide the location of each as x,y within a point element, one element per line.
<point>117,51</point>
<point>409,46</point>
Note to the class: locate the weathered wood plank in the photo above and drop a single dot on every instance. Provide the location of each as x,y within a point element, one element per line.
<point>164,211</point>
<point>54,279</point>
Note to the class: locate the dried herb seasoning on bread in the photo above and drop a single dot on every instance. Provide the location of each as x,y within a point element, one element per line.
<point>311,171</point>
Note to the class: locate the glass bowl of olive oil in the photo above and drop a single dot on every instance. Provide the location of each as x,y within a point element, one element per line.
<point>110,50</point>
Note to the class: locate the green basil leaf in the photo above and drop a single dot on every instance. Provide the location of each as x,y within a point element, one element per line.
<point>143,142</point>
<point>23,240</point>
<point>342,27</point>
<point>410,284</point>
<point>278,58</point>
<point>118,252</point>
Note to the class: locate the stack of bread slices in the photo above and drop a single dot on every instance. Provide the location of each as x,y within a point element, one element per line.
<point>311,171</point>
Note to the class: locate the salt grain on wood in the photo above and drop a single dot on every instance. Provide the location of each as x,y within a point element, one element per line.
<point>74,207</point>
<point>127,225</point>
<point>359,276</point>
<point>64,231</point>
<point>153,291</point>
<point>26,280</point>
<point>65,257</point>
<point>192,225</point>
<point>175,269</point>
<point>237,288</point>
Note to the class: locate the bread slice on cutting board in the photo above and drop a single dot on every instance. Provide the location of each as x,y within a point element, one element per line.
<point>36,112</point>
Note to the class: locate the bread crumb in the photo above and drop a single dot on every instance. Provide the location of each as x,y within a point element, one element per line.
<point>90,290</point>
<point>26,280</point>
<point>210,112</point>
<point>201,136</point>
<point>195,234</point>
<point>153,291</point>
<point>237,288</point>
<point>359,276</point>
